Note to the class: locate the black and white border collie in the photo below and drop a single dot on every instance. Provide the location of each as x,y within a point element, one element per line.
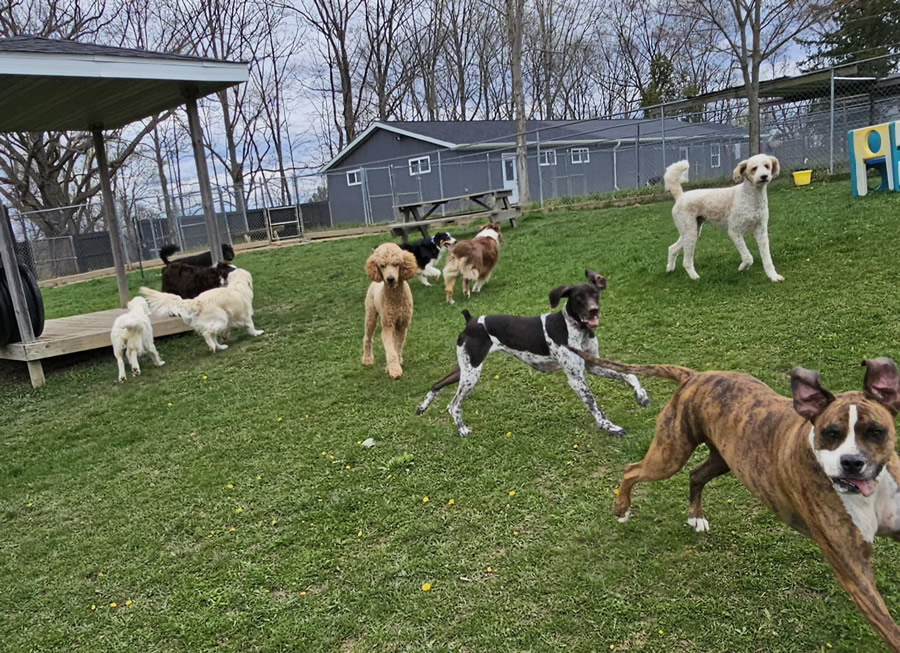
<point>428,253</point>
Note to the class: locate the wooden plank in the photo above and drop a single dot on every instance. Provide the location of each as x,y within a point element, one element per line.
<point>498,193</point>
<point>81,333</point>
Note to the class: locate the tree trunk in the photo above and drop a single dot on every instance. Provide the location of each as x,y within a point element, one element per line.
<point>164,186</point>
<point>516,25</point>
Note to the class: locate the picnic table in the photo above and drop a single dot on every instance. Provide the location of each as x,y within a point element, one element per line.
<point>418,215</point>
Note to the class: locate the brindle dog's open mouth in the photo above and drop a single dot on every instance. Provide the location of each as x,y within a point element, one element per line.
<point>863,486</point>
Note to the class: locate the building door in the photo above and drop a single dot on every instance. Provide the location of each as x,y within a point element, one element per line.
<point>510,177</point>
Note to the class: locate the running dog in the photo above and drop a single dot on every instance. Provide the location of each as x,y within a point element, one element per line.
<point>540,342</point>
<point>737,209</point>
<point>473,260</point>
<point>428,253</point>
<point>825,464</point>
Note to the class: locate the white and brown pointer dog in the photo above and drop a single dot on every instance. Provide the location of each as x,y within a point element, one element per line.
<point>540,342</point>
<point>825,464</point>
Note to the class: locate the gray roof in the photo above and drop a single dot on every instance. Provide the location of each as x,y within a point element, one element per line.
<point>68,85</point>
<point>43,45</point>
<point>488,134</point>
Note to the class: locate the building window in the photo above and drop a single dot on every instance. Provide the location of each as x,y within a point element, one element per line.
<point>684,153</point>
<point>420,166</point>
<point>354,178</point>
<point>715,156</point>
<point>580,155</point>
<point>548,158</point>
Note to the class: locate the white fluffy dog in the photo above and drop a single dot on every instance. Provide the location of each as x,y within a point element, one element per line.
<point>214,312</point>
<point>737,209</point>
<point>132,334</point>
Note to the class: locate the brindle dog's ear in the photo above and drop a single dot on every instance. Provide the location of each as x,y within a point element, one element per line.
<point>558,293</point>
<point>810,398</point>
<point>597,279</point>
<point>882,383</point>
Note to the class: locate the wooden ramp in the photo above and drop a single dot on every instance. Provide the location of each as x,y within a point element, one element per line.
<point>69,335</point>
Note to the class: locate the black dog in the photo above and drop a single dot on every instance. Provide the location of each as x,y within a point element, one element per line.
<point>540,342</point>
<point>188,281</point>
<point>204,259</point>
<point>428,253</point>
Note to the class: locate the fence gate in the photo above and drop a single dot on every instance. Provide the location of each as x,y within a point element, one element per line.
<point>284,222</point>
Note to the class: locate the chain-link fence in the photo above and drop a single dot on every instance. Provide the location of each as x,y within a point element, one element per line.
<point>803,120</point>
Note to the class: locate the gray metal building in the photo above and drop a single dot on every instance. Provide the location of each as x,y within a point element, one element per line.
<point>394,162</point>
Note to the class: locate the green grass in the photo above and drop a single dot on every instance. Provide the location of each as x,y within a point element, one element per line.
<point>132,481</point>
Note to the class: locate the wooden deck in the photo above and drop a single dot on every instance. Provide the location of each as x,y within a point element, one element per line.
<point>68,335</point>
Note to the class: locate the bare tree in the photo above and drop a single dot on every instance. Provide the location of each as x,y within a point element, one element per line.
<point>753,31</point>
<point>515,25</point>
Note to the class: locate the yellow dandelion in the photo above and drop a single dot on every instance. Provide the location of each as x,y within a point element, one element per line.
<point>280,419</point>
<point>274,522</point>
<point>425,499</point>
<point>575,446</point>
<point>230,486</point>
<point>302,593</point>
<point>321,500</point>
<point>828,644</point>
<point>734,532</point>
<point>239,510</point>
<point>100,575</point>
<point>349,467</point>
<point>193,434</point>
<point>324,453</point>
<point>496,377</point>
<point>170,404</point>
<point>616,491</point>
<point>452,502</point>
<point>259,478</point>
<point>729,500</point>
<point>359,442</point>
<point>205,378</point>
<point>129,602</point>
<point>93,607</point>
<point>331,457</point>
<point>267,590</point>
<point>571,462</point>
<point>612,647</point>
<point>359,534</point>
<point>509,434</point>
<point>307,416</point>
<point>390,476</point>
<point>426,587</point>
<point>490,570</point>
<point>232,529</point>
<point>515,532</point>
<point>512,493</point>
<point>661,631</point>
<point>113,605</point>
<point>29,505</point>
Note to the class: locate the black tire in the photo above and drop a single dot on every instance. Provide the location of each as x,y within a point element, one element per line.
<point>33,301</point>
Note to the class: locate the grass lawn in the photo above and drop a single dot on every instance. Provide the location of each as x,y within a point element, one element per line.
<point>229,499</point>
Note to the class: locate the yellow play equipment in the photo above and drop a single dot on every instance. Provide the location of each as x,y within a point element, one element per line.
<point>875,147</point>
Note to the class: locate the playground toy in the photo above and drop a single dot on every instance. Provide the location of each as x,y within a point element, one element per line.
<point>875,147</point>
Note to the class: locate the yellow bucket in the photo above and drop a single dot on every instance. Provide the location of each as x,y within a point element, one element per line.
<point>802,177</point>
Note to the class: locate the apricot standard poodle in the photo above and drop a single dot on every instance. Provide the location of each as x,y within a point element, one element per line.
<point>389,297</point>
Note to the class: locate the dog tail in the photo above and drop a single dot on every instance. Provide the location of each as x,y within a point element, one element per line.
<point>467,315</point>
<point>671,372</point>
<point>164,303</point>
<point>675,174</point>
<point>166,251</point>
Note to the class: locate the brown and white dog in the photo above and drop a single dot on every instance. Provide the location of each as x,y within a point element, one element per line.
<point>825,464</point>
<point>473,260</point>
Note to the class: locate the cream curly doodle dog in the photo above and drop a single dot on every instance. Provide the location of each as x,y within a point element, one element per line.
<point>390,298</point>
<point>737,209</point>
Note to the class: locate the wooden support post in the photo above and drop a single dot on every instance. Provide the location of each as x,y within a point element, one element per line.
<point>17,292</point>
<point>109,215</point>
<point>209,212</point>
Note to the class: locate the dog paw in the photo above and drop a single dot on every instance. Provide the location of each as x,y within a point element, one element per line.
<point>694,276</point>
<point>136,372</point>
<point>368,362</point>
<point>420,409</point>
<point>258,332</point>
<point>395,372</point>
<point>670,268</point>
<point>776,278</point>
<point>624,518</point>
<point>121,379</point>
<point>643,398</point>
<point>699,524</point>
<point>222,347</point>
<point>615,431</point>
<point>464,431</point>
<point>425,282</point>
<point>744,265</point>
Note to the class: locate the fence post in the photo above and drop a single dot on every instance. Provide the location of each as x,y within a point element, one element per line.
<point>299,210</point>
<point>441,183</point>
<point>540,173</point>
<point>662,122</point>
<point>225,216</point>
<point>637,156</point>
<point>487,156</point>
<point>831,129</point>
